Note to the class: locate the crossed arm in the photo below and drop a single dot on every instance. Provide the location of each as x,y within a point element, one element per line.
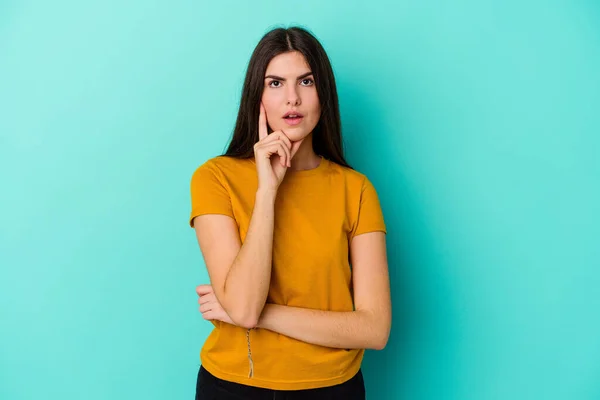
<point>367,327</point>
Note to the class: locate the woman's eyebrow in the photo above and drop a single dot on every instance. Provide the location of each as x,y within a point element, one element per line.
<point>279,78</point>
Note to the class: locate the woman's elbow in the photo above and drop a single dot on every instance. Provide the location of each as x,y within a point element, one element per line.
<point>241,311</point>
<point>379,344</point>
<point>245,322</point>
<point>381,337</point>
<point>244,318</point>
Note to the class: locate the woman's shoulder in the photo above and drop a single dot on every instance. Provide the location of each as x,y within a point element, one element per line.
<point>351,176</point>
<point>225,165</point>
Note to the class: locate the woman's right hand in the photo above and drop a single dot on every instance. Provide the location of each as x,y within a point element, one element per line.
<point>273,154</point>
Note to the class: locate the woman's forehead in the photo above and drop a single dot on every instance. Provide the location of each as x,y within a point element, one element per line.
<point>290,64</point>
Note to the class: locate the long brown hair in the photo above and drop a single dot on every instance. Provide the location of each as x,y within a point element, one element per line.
<point>327,135</point>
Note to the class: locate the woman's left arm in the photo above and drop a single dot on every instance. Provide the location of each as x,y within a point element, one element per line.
<point>368,327</point>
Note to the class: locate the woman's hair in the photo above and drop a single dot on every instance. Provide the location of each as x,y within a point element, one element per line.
<point>327,135</point>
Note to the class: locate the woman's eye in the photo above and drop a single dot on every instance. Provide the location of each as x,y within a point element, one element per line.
<point>307,82</point>
<point>274,83</point>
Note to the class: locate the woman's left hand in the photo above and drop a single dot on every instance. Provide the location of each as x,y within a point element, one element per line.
<point>210,307</point>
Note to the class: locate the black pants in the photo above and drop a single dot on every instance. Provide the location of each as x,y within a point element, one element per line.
<point>209,387</point>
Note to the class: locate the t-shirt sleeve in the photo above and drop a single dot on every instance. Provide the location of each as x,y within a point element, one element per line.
<point>370,216</point>
<point>208,192</point>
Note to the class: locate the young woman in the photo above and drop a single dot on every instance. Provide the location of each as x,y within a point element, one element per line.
<point>293,239</point>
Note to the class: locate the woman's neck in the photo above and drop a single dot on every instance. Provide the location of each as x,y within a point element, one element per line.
<point>305,158</point>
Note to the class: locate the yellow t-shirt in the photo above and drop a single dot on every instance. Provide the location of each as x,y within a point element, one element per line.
<point>317,212</point>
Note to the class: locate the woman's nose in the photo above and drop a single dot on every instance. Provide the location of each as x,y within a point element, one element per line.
<point>293,98</point>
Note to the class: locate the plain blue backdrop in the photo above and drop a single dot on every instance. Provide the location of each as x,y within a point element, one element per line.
<point>477,121</point>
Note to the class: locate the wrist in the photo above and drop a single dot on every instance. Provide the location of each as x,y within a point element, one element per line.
<point>264,194</point>
<point>263,320</point>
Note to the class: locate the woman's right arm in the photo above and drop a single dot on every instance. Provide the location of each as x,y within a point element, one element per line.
<point>240,274</point>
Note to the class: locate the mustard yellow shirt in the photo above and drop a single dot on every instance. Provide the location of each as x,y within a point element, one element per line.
<point>317,212</point>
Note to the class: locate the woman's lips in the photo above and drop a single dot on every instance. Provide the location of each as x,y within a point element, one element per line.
<point>293,121</point>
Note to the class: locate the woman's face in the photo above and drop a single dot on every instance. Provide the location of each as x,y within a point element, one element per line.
<point>289,86</point>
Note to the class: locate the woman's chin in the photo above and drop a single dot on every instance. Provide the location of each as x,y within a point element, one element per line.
<point>295,134</point>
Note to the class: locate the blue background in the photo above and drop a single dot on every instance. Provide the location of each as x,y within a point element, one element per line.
<point>477,122</point>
